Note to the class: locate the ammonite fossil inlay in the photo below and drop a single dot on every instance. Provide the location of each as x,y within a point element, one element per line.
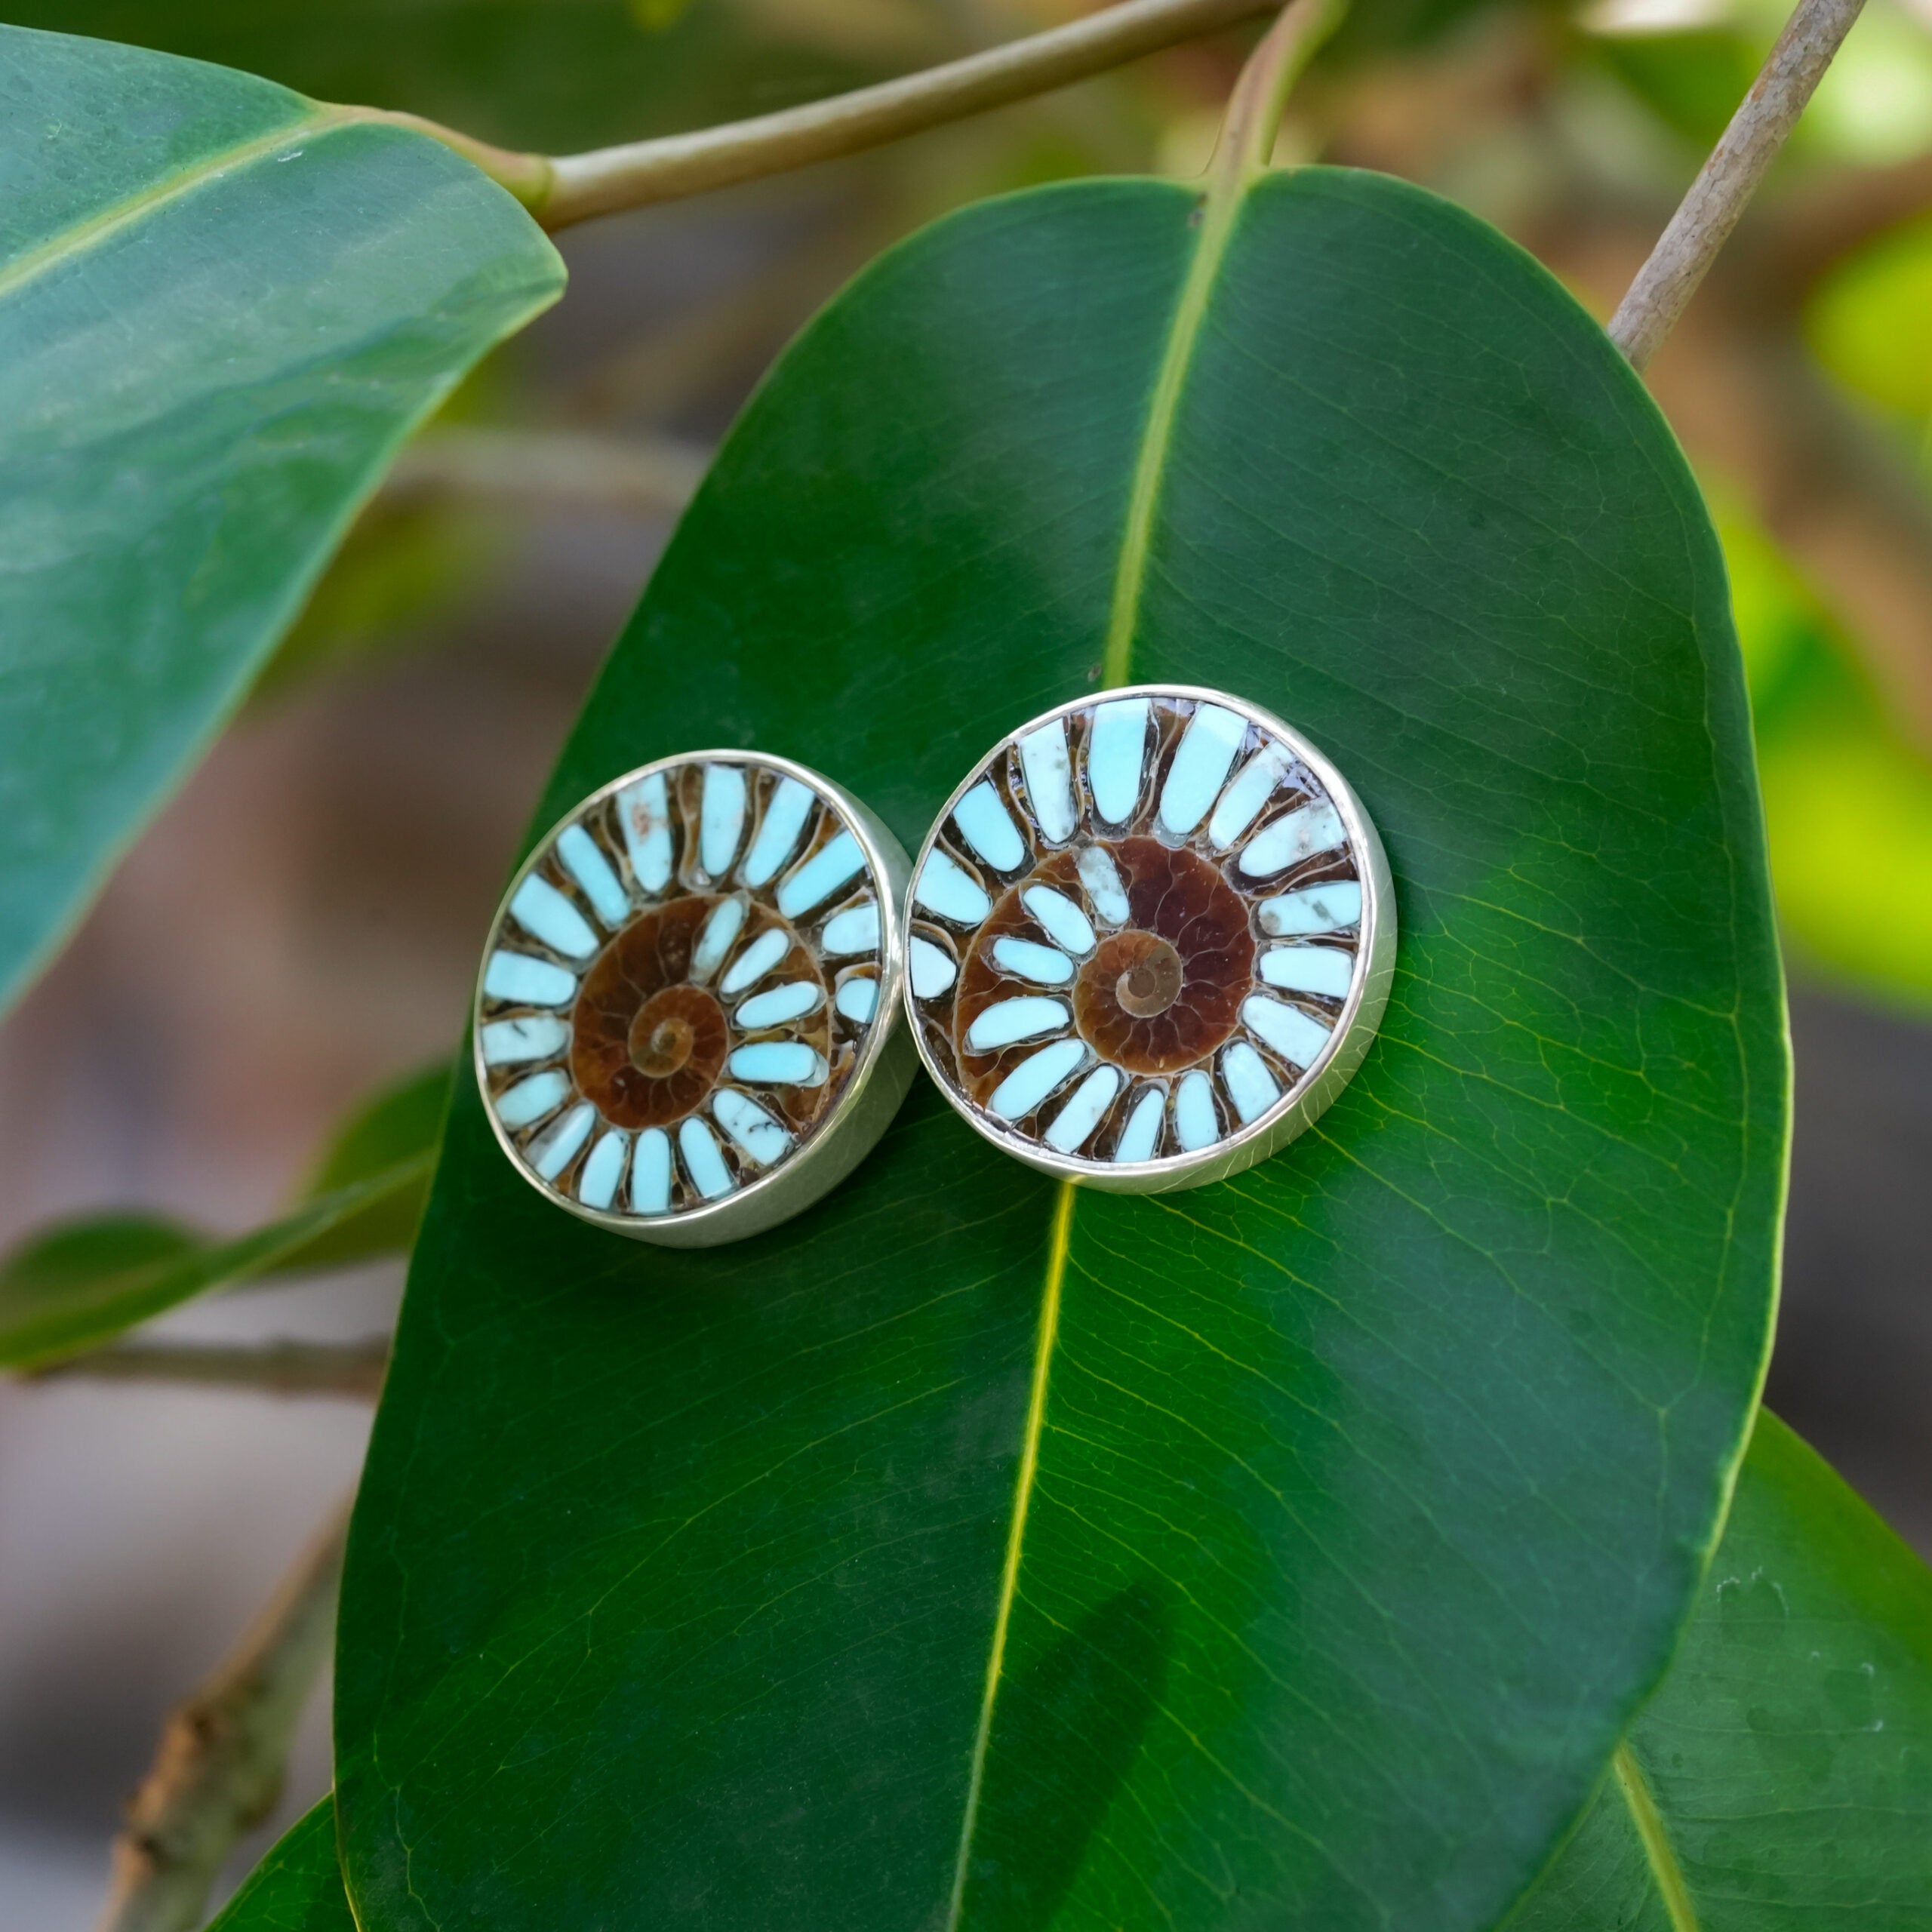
<point>1151,937</point>
<point>683,984</point>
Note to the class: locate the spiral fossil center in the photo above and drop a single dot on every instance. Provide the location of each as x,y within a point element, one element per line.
<point>661,1041</point>
<point>1152,983</point>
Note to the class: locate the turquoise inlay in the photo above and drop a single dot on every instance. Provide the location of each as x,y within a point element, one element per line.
<point>777,1004</point>
<point>1026,959</point>
<point>546,914</point>
<point>551,1151</point>
<point>702,1161</point>
<point>527,982</point>
<point>1250,1086</point>
<point>858,1000</point>
<point>1309,969</point>
<point>650,1172</point>
<point>1200,762</point>
<point>1007,1020</point>
<point>644,812</point>
<point>1034,1078</point>
<point>506,1041</point>
<point>1142,1130</point>
<point>579,855</point>
<point>986,825</point>
<point>778,1063</point>
<point>1287,1028</point>
<point>1116,748</point>
<point>530,1099</point>
<point>1241,804</point>
<point>778,830</point>
<point>1043,759</point>
<point>716,938</point>
<point>1072,1127</point>
<point>1066,925</point>
<point>855,930</point>
<point>947,888</point>
<point>757,960</point>
<point>721,817</point>
<point>1105,893</point>
<point>1315,909</point>
<point>1294,836</point>
<point>1195,1125</point>
<point>821,876</point>
<point>750,1125</point>
<point>932,968</point>
<point>597,1186</point>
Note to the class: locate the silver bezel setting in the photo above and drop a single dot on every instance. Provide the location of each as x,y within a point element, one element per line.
<point>858,1114</point>
<point>1327,1073</point>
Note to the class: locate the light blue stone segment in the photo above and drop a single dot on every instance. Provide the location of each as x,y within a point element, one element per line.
<point>716,938</point>
<point>750,1126</point>
<point>757,960</point>
<point>597,1186</point>
<point>721,817</point>
<point>1294,836</point>
<point>855,930</point>
<point>1195,1126</point>
<point>985,825</point>
<point>1309,969</point>
<point>1034,1079</point>
<point>702,1161</point>
<point>546,914</point>
<point>834,862</point>
<point>579,855</point>
<point>527,982</point>
<point>644,814</point>
<point>1007,1020</point>
<point>931,967</point>
<point>948,889</point>
<point>1065,924</point>
<point>1287,1028</point>
<point>778,1063</point>
<point>530,1099</point>
<point>1143,1130</point>
<point>1073,1126</point>
<point>778,832</point>
<point>1332,908</point>
<point>1241,804</point>
<point>1105,893</point>
<point>1049,772</point>
<point>553,1149</point>
<point>778,1004</point>
<point>858,1000</point>
<point>1200,762</point>
<point>1026,959</point>
<point>650,1172</point>
<point>1250,1086</point>
<point>506,1042</point>
<point>1116,748</point>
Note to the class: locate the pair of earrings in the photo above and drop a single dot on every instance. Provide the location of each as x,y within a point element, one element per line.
<point>1147,943</point>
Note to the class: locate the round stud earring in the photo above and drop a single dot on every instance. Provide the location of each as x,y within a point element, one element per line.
<point>1151,936</point>
<point>686,1022</point>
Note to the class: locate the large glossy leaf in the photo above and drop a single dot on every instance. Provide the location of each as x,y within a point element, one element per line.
<point>297,1887</point>
<point>221,312</point>
<point>1293,1551</point>
<point>1782,1779</point>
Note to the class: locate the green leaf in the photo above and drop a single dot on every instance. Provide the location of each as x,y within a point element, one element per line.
<point>1781,1778</point>
<point>297,1887</point>
<point>1294,1552</point>
<point>222,310</point>
<point>82,1283</point>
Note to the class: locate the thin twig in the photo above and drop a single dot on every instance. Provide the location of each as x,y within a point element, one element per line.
<point>637,475</point>
<point>275,1368</point>
<point>1725,183</point>
<point>218,1770</point>
<point>572,187</point>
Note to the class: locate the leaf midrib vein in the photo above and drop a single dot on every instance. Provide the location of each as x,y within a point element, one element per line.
<point>1652,1833</point>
